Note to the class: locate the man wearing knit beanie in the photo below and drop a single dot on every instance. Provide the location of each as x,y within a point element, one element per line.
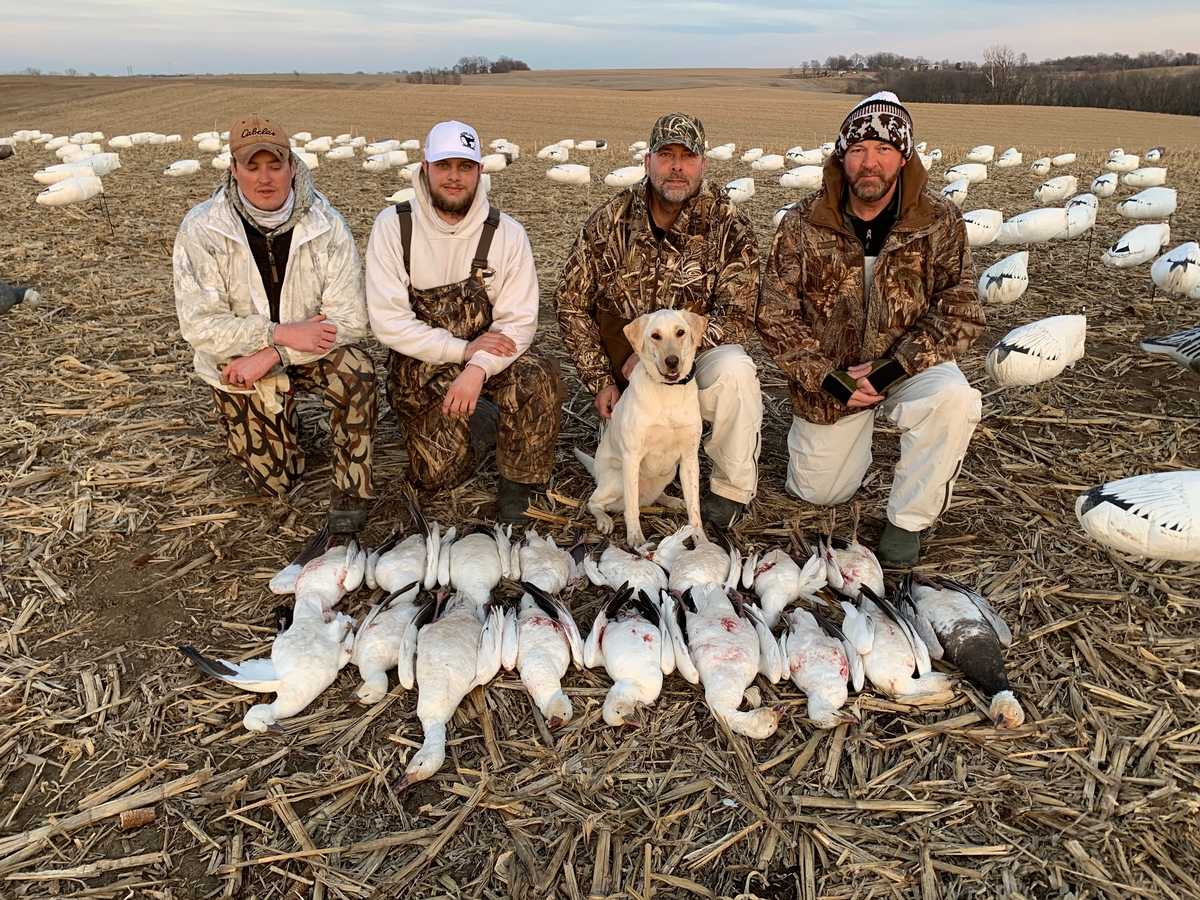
<point>869,298</point>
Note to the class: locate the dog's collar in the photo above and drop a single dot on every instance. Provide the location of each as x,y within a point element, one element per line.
<point>687,378</point>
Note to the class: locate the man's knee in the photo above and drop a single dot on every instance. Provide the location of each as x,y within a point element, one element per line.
<point>356,371</point>
<point>538,377</point>
<point>728,364</point>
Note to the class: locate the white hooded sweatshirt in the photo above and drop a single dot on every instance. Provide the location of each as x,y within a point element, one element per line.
<point>441,254</point>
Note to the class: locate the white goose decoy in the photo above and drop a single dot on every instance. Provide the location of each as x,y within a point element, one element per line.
<point>1152,203</point>
<point>590,145</point>
<point>779,581</point>
<point>1036,352</point>
<point>554,153</point>
<point>1151,176</point>
<point>1155,516</point>
<point>377,642</point>
<point>55,143</point>
<point>850,566</point>
<point>1081,216</point>
<point>1040,166</point>
<point>984,153</point>
<point>781,212</point>
<point>182,167</point>
<point>457,648</point>
<point>625,176</point>
<point>1035,226</point>
<point>342,139</point>
<point>312,160</point>
<point>61,172</point>
<point>1140,245</point>
<point>570,173</point>
<point>956,191</point>
<point>920,148</point>
<point>541,641</point>
<point>345,151</point>
<point>1063,159</point>
<point>926,160</point>
<point>798,158</point>
<point>631,639</point>
<point>1005,281</point>
<point>1009,158</point>
<point>1154,155</point>
<point>1056,189</point>
<point>102,164</point>
<point>771,162</point>
<point>959,625</point>
<point>935,155</point>
<point>495,162</point>
<point>318,145</point>
<point>739,190</point>
<point>1178,270</point>
<point>378,148</point>
<point>618,568</point>
<point>120,142</point>
<point>894,657</point>
<point>75,189</point>
<point>302,137</point>
<point>407,172</point>
<point>722,153</point>
<point>204,145</point>
<point>638,145</point>
<point>724,648</point>
<point>410,144</point>
<point>983,226</point>
<point>1183,347</point>
<point>973,172</point>
<point>1125,162</point>
<point>805,178</point>
<point>1105,185</point>
<point>820,661</point>
<point>376,163</point>
<point>752,154</point>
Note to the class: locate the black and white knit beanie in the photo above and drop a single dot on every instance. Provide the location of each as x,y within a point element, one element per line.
<point>881,117</point>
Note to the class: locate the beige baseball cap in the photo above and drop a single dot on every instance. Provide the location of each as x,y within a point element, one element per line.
<point>256,132</point>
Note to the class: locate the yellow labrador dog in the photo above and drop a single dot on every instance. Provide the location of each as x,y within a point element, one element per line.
<point>655,426</point>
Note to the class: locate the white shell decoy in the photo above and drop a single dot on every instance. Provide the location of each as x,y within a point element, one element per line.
<point>1040,166</point>
<point>783,211</point>
<point>816,657</point>
<point>223,160</point>
<point>926,160</point>
<point>1126,162</point>
<point>638,145</point>
<point>1140,245</point>
<point>1178,270</point>
<point>1152,203</point>
<point>983,226</point>
<point>1056,189</point>
<point>805,178</point>
<point>554,152</point>
<point>345,151</point>
<point>570,173</point>
<point>61,172</point>
<point>1154,155</point>
<point>1006,280</point>
<point>739,190</point>
<point>772,162</point>
<point>722,153</point>
<point>1009,158</point>
<point>120,142</point>
<point>1081,216</point>
<point>569,143</point>
<point>591,145</point>
<point>102,164</point>
<point>625,176</point>
<point>302,136</point>
<point>956,191</point>
<point>377,148</point>
<point>630,637</point>
<point>973,172</point>
<point>1034,227</point>
<point>1155,516</point>
<point>1183,347</point>
<point>376,163</point>
<point>204,145</point>
<point>409,171</point>
<point>55,143</point>
<point>410,144</point>
<point>1063,159</point>
<point>1038,351</point>
<point>182,167</point>
<point>797,157</point>
<point>319,145</point>
<point>920,148</point>
<point>935,155</point>
<point>1105,185</point>
<point>1151,176</point>
<point>76,189</point>
<point>984,153</point>
<point>752,154</point>
<point>342,138</point>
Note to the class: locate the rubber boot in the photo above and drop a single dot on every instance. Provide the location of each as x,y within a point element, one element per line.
<point>899,547</point>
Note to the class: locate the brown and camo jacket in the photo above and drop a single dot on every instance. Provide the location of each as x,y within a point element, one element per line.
<point>707,263</point>
<point>923,307</point>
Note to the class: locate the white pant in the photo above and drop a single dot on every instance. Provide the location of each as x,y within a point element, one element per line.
<point>937,411</point>
<point>731,399</point>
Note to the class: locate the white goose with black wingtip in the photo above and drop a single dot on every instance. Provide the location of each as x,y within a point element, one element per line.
<point>1183,347</point>
<point>779,581</point>
<point>704,563</point>
<point>617,567</point>
<point>895,659</point>
<point>849,565</point>
<point>821,662</point>
<point>958,624</point>
<point>377,642</point>
<point>1037,352</point>
<point>1155,516</point>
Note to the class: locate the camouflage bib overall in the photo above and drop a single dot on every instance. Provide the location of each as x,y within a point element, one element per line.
<point>529,392</point>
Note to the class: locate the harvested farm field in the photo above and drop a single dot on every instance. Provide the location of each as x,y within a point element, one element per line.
<point>126,532</point>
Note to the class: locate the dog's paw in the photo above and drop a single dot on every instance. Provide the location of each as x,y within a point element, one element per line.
<point>674,503</point>
<point>604,522</point>
<point>635,538</point>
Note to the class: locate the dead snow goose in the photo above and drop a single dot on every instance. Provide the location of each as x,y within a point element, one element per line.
<point>1183,347</point>
<point>1137,246</point>
<point>377,642</point>
<point>779,581</point>
<point>983,226</point>
<point>1038,351</point>
<point>1155,516</point>
<point>1005,281</point>
<point>541,641</point>
<point>1151,176</point>
<point>892,652</point>
<point>1178,270</point>
<point>849,565</point>
<point>820,662</point>
<point>1152,203</point>
<point>617,567</point>
<point>630,638</point>
<point>705,562</point>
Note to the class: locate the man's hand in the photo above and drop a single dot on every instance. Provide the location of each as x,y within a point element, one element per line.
<point>464,393</point>
<point>606,400</point>
<point>865,395</point>
<point>313,335</point>
<point>627,368</point>
<point>243,371</point>
<point>496,343</point>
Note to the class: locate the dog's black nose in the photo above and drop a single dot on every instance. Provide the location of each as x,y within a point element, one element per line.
<point>672,362</point>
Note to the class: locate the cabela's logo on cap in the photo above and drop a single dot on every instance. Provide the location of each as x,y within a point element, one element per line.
<point>467,139</point>
<point>250,132</point>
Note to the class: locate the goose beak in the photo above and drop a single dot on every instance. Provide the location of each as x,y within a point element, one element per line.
<point>353,698</point>
<point>849,718</point>
<point>632,721</point>
<point>554,722</point>
<point>778,712</point>
<point>275,729</point>
<point>408,780</point>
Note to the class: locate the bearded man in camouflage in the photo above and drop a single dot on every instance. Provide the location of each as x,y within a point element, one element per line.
<point>869,298</point>
<point>673,241</point>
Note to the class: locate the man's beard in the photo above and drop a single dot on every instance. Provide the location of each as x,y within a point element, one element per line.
<point>870,192</point>
<point>673,194</point>
<point>454,207</point>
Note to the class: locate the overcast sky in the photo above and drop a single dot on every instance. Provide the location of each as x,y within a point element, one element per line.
<point>222,36</point>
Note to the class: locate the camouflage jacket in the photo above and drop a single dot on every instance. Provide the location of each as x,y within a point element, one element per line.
<point>707,263</point>
<point>813,315</point>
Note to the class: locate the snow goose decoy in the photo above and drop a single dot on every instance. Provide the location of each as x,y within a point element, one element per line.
<point>1152,203</point>
<point>377,642</point>
<point>1137,246</point>
<point>849,566</point>
<point>343,152</point>
<point>1151,176</point>
<point>926,160</point>
<point>805,178</point>
<point>973,172</point>
<point>591,145</point>
<point>821,662</point>
<point>540,642</point>
<point>1154,155</point>
<point>1010,158</point>
<point>631,639</point>
<point>204,145</point>
<point>11,296</point>
<point>1063,159</point>
<point>723,153</point>
<point>1056,189</point>
<point>781,212</point>
<point>319,145</point>
<point>1183,347</point>
<point>984,153</point>
<point>625,176</point>
<point>1105,185</point>
<point>935,155</point>
<point>1178,270</point>
<point>983,226</point>
<point>956,191</point>
<point>771,162</point>
<point>638,145</point>
<point>1155,516</point>
<point>1034,227</point>
<point>1005,281</point>
<point>752,154</point>
<point>814,157</point>
<point>1037,352</point>
<point>779,581</point>
<point>895,659</point>
<point>722,642</point>
<point>1040,166</point>
<point>964,629</point>
<point>1125,162</point>
<point>182,167</point>
<point>1081,217</point>
<point>739,190</point>
<point>75,189</point>
<point>554,153</point>
<point>570,173</point>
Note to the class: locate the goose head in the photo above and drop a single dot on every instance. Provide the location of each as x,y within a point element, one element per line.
<point>621,706</point>
<point>762,722</point>
<point>333,574</point>
<point>261,718</point>
<point>1005,711</point>
<point>426,761</point>
<point>372,690</point>
<point>821,710</point>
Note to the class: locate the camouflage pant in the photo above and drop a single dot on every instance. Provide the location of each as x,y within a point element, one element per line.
<point>265,445</point>
<point>529,393</point>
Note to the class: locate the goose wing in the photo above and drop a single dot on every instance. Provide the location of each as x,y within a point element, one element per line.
<point>677,629</point>
<point>255,675</point>
<point>770,660</point>
<point>558,611</point>
<point>858,675</point>
<point>1003,633</point>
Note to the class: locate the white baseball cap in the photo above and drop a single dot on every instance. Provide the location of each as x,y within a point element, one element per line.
<point>452,140</point>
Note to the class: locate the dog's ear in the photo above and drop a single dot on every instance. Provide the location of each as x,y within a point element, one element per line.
<point>634,332</point>
<point>698,324</point>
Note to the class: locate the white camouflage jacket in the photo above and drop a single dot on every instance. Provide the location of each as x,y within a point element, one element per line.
<point>219,294</point>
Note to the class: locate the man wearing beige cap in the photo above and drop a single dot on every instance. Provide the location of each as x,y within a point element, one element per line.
<point>452,291</point>
<point>269,294</point>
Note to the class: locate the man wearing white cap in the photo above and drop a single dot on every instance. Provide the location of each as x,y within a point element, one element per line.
<point>869,298</point>
<point>268,289</point>
<point>452,292</point>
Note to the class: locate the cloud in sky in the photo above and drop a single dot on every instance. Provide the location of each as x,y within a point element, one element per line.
<point>221,36</point>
